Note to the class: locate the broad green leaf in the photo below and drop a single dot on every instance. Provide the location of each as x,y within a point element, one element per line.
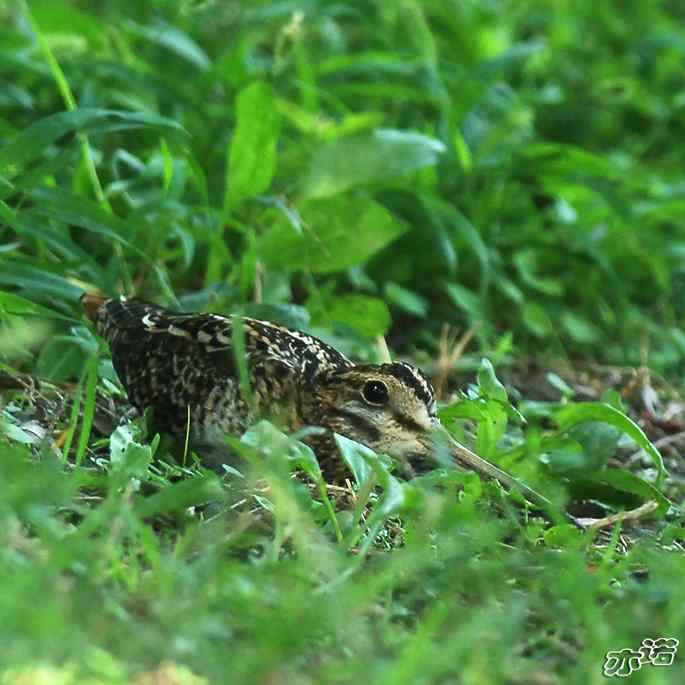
<point>179,496</point>
<point>271,442</point>
<point>394,495</point>
<point>79,211</point>
<point>490,430</point>
<point>304,458</point>
<point>32,224</point>
<point>58,18</point>
<point>386,153</point>
<point>391,502</point>
<point>473,410</point>
<point>341,231</point>
<point>598,439</point>
<point>467,301</point>
<point>596,411</point>
<point>567,456</point>
<point>173,39</point>
<point>16,305</point>
<point>536,319</point>
<point>60,359</point>
<point>670,533</point>
<point>32,141</point>
<point>404,299</point>
<point>36,279</point>
<point>291,315</point>
<point>357,457</point>
<point>580,329</point>
<point>462,230</point>
<point>526,262</point>
<point>626,481</point>
<point>368,315</point>
<point>126,454</point>
<point>16,433</point>
<point>509,289</point>
<point>252,153</point>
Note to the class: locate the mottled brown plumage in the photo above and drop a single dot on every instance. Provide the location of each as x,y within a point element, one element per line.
<point>183,366</point>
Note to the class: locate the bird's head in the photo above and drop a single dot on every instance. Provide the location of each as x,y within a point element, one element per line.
<point>391,408</point>
<point>388,407</point>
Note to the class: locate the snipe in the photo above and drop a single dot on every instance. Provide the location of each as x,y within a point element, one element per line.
<point>184,367</point>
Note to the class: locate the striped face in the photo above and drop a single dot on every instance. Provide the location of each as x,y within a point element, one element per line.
<point>388,407</point>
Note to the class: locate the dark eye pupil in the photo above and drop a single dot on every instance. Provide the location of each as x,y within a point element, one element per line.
<point>376,392</point>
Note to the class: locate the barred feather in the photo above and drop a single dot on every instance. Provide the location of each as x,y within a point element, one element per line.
<point>184,364</point>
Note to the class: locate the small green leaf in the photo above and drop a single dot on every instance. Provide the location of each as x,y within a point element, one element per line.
<point>406,300</point>
<point>488,383</point>
<point>526,262</point>
<point>536,319</point>
<point>252,152</point>
<point>467,301</point>
<point>564,535</point>
<point>560,384</point>
<point>367,315</point>
<point>490,416</point>
<point>626,481</point>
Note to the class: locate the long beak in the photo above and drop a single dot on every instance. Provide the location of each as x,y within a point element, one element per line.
<point>470,461</point>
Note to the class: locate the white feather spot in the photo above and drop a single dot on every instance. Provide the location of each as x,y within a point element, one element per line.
<point>180,332</point>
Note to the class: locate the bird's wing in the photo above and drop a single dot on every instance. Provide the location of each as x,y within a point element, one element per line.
<point>172,362</point>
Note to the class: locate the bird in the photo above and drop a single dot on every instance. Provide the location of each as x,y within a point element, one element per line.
<point>185,368</point>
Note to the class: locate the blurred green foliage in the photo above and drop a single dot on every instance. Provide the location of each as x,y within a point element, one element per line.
<point>358,168</point>
<point>508,163</point>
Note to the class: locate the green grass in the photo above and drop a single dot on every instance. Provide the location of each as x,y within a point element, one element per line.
<point>358,169</point>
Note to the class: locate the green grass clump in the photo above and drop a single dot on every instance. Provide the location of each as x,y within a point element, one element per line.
<point>356,169</point>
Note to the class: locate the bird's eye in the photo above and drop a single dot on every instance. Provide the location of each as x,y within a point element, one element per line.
<point>375,392</point>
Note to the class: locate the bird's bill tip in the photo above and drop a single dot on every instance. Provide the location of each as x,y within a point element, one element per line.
<point>440,439</point>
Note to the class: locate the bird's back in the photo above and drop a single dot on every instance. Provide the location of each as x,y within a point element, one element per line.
<point>184,367</point>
